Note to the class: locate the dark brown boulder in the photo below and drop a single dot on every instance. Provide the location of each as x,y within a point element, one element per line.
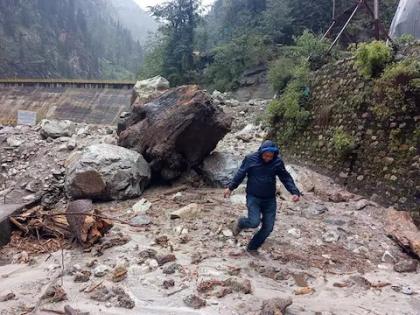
<point>175,131</point>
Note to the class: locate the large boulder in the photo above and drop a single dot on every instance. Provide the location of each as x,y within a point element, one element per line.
<point>57,128</point>
<point>106,172</point>
<point>175,131</point>
<point>219,168</point>
<point>145,89</point>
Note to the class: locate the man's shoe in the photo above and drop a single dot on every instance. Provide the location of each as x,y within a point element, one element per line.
<point>236,228</point>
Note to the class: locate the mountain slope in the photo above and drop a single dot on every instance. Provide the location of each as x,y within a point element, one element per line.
<point>139,22</point>
<point>67,39</point>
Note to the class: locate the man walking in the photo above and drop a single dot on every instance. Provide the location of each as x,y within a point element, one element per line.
<point>261,168</point>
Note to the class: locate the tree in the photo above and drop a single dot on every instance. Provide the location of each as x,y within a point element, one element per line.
<point>180,17</point>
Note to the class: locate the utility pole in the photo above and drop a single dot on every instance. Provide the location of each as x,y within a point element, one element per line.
<point>376,18</point>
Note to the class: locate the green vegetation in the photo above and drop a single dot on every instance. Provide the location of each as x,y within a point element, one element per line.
<point>372,58</point>
<point>289,112</point>
<point>342,142</point>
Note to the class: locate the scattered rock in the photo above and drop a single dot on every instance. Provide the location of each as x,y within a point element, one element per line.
<point>196,258</point>
<point>361,204</point>
<point>142,206</point>
<point>119,273</point>
<point>330,236</point>
<point>275,306</point>
<point>57,128</point>
<point>100,271</point>
<point>388,258</point>
<point>82,276</point>
<point>294,232</point>
<point>124,300</point>
<point>227,233</point>
<point>14,141</point>
<point>106,172</point>
<point>167,284</point>
<point>189,211</point>
<point>219,168</point>
<point>304,291</point>
<point>194,301</point>
<point>141,220</point>
<point>239,285</point>
<point>164,259</point>
<point>55,294</point>
<point>7,297</point>
<point>408,265</point>
<point>171,269</point>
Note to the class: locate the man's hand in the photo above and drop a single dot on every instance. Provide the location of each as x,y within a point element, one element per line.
<point>295,198</point>
<point>227,193</point>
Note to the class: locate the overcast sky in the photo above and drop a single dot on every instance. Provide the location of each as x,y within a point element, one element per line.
<point>145,3</point>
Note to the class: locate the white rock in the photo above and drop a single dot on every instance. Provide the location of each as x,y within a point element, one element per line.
<point>387,257</point>
<point>14,141</point>
<point>330,236</point>
<point>100,270</point>
<point>295,232</point>
<point>238,199</point>
<point>227,233</point>
<point>142,206</point>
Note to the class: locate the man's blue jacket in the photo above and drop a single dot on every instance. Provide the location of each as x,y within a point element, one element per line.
<point>262,176</point>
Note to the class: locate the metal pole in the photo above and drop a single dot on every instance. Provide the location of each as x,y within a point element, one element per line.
<point>344,27</point>
<point>376,17</point>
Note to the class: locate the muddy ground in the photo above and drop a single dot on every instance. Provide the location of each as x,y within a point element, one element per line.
<point>329,253</point>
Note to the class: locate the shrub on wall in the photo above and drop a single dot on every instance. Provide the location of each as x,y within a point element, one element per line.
<point>342,142</point>
<point>372,58</point>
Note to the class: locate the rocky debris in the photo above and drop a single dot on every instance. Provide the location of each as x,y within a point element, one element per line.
<point>117,240</point>
<point>247,133</point>
<point>100,271</point>
<point>7,297</point>
<point>167,284</point>
<point>82,276</point>
<point>340,196</point>
<point>116,295</point>
<point>304,291</point>
<point>330,236</point>
<point>146,254</point>
<point>119,274</point>
<point>401,228</point>
<point>175,131</point>
<point>164,259</point>
<point>57,128</point>
<point>219,168</point>
<point>145,90</point>
<point>407,265</point>
<point>55,294</point>
<point>239,285</point>
<point>142,206</point>
<point>106,172</point>
<point>194,301</point>
<point>68,310</point>
<point>186,212</point>
<point>171,269</point>
<point>85,223</point>
<point>14,141</point>
<point>296,233</point>
<point>275,306</point>
<point>361,204</point>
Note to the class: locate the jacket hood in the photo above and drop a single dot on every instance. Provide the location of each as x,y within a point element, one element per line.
<point>269,146</point>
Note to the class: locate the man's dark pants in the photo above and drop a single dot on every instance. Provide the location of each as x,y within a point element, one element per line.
<point>259,210</point>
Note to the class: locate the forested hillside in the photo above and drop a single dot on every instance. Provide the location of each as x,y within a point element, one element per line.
<point>237,35</point>
<point>66,39</point>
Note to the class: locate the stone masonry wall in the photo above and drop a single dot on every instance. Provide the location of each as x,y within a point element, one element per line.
<point>384,161</point>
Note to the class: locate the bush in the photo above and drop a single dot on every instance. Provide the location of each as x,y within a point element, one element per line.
<point>342,142</point>
<point>372,58</point>
<point>402,73</point>
<point>232,59</point>
<point>289,110</point>
<point>280,73</point>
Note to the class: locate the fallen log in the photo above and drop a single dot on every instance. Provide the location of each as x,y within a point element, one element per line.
<point>175,131</point>
<point>401,228</point>
<point>85,226</point>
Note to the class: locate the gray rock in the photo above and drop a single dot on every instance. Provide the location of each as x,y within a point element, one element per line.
<point>106,172</point>
<point>361,204</point>
<point>408,265</point>
<point>330,236</point>
<point>141,220</point>
<point>219,168</point>
<point>14,141</point>
<point>57,128</point>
